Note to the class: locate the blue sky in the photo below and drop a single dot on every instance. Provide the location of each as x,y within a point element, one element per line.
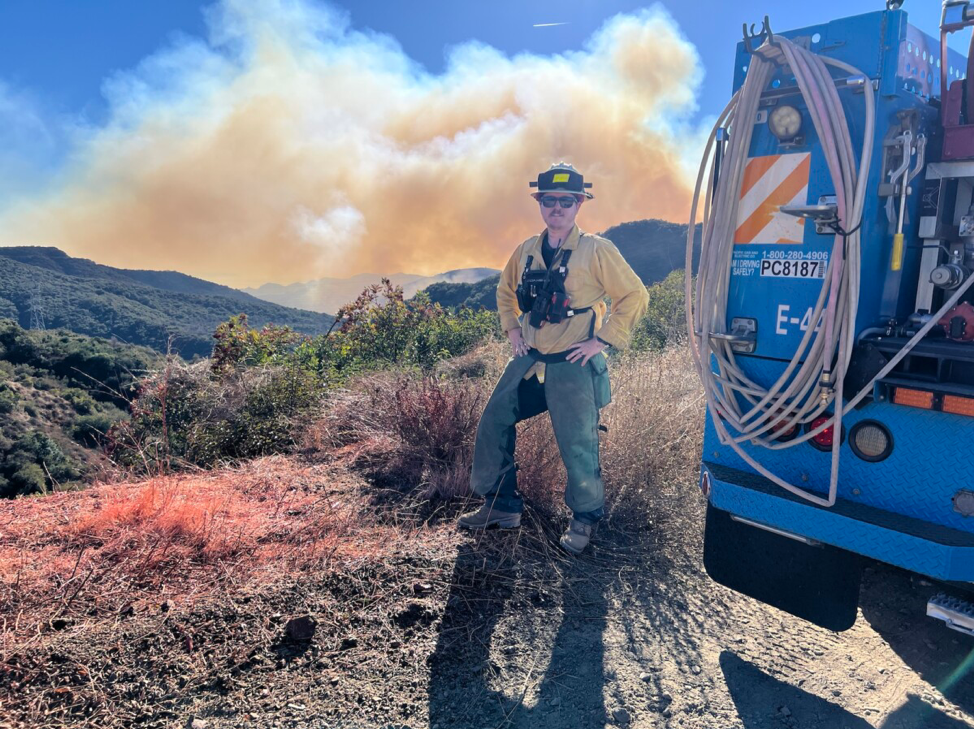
<point>247,141</point>
<point>60,51</point>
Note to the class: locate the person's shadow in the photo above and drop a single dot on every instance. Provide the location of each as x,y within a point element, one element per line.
<point>521,639</point>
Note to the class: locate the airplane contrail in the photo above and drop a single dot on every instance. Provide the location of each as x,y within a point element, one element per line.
<point>546,25</point>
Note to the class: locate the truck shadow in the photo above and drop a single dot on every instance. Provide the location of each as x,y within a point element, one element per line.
<point>521,640</point>
<point>894,603</point>
<point>763,702</point>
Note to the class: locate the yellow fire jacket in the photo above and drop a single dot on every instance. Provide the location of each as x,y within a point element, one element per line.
<point>596,269</point>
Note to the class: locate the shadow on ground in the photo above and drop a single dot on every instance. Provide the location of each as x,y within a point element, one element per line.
<point>764,702</point>
<point>533,637</point>
<point>521,637</point>
<point>894,603</point>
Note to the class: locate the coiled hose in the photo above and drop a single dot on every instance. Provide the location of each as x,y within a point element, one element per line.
<point>813,379</point>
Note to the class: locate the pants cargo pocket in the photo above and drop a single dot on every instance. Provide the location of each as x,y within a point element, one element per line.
<point>600,376</point>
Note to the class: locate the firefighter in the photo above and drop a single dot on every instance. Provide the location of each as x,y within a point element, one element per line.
<point>550,301</point>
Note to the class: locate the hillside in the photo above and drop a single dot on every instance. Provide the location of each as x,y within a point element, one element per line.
<point>54,259</point>
<point>653,248</point>
<point>330,294</point>
<point>59,395</point>
<point>482,294</point>
<point>101,301</point>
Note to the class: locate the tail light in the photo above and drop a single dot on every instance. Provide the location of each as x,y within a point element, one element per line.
<point>822,441</point>
<point>958,405</point>
<point>782,432</point>
<point>913,398</point>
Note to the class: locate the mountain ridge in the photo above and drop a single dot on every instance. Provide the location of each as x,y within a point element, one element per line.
<point>102,301</point>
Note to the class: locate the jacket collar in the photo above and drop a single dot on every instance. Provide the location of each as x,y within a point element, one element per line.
<point>571,242</point>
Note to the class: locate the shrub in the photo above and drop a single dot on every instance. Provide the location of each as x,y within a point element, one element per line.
<point>418,428</point>
<point>441,334</point>
<point>239,345</point>
<point>81,401</point>
<point>38,449</point>
<point>249,399</point>
<point>665,321</point>
<point>8,399</point>
<point>380,329</point>
<point>28,479</point>
<point>91,430</point>
<point>189,415</point>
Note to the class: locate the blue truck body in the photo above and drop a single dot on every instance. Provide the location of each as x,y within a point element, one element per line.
<point>902,509</point>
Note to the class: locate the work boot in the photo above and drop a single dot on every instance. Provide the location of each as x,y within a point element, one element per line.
<point>485,517</point>
<point>576,539</point>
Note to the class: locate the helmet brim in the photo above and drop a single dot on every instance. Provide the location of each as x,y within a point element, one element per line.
<point>538,193</point>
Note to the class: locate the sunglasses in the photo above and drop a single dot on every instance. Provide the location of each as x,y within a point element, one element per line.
<point>549,201</point>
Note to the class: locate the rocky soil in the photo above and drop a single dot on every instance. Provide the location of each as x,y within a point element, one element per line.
<point>500,629</point>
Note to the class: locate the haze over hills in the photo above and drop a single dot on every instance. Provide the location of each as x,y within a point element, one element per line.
<point>653,248</point>
<point>45,285</point>
<point>330,294</point>
<point>149,307</point>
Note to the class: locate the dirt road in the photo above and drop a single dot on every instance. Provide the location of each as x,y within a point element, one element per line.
<point>641,638</point>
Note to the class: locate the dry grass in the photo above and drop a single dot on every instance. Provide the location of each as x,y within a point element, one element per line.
<point>76,554</point>
<point>417,432</point>
<point>85,576</point>
<point>114,545</point>
<point>652,449</point>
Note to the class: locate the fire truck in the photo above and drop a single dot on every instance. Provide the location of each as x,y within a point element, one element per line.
<point>831,318</point>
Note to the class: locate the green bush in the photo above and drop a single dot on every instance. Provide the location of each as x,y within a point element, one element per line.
<point>189,414</point>
<point>30,410</point>
<point>8,399</point>
<point>36,448</point>
<point>91,430</point>
<point>248,399</point>
<point>28,479</point>
<point>81,401</point>
<point>381,329</point>
<point>665,320</point>
<point>238,345</point>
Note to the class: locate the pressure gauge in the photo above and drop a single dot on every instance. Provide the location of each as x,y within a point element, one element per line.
<point>785,122</point>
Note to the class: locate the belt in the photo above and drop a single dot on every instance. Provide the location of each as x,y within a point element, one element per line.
<point>552,358</point>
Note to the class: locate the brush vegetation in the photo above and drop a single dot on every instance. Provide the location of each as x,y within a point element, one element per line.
<point>73,404</point>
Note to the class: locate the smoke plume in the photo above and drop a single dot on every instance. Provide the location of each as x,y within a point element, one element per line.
<point>288,146</point>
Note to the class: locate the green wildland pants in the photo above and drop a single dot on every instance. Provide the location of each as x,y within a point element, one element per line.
<point>573,395</point>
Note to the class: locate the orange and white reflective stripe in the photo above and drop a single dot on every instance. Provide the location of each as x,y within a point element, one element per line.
<point>770,182</point>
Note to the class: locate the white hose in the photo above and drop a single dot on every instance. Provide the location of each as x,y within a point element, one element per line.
<point>813,379</point>
<point>804,390</point>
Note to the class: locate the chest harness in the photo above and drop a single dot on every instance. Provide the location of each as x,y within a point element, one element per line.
<point>543,294</point>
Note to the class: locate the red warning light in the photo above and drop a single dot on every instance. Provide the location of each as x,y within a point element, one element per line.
<point>823,441</point>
